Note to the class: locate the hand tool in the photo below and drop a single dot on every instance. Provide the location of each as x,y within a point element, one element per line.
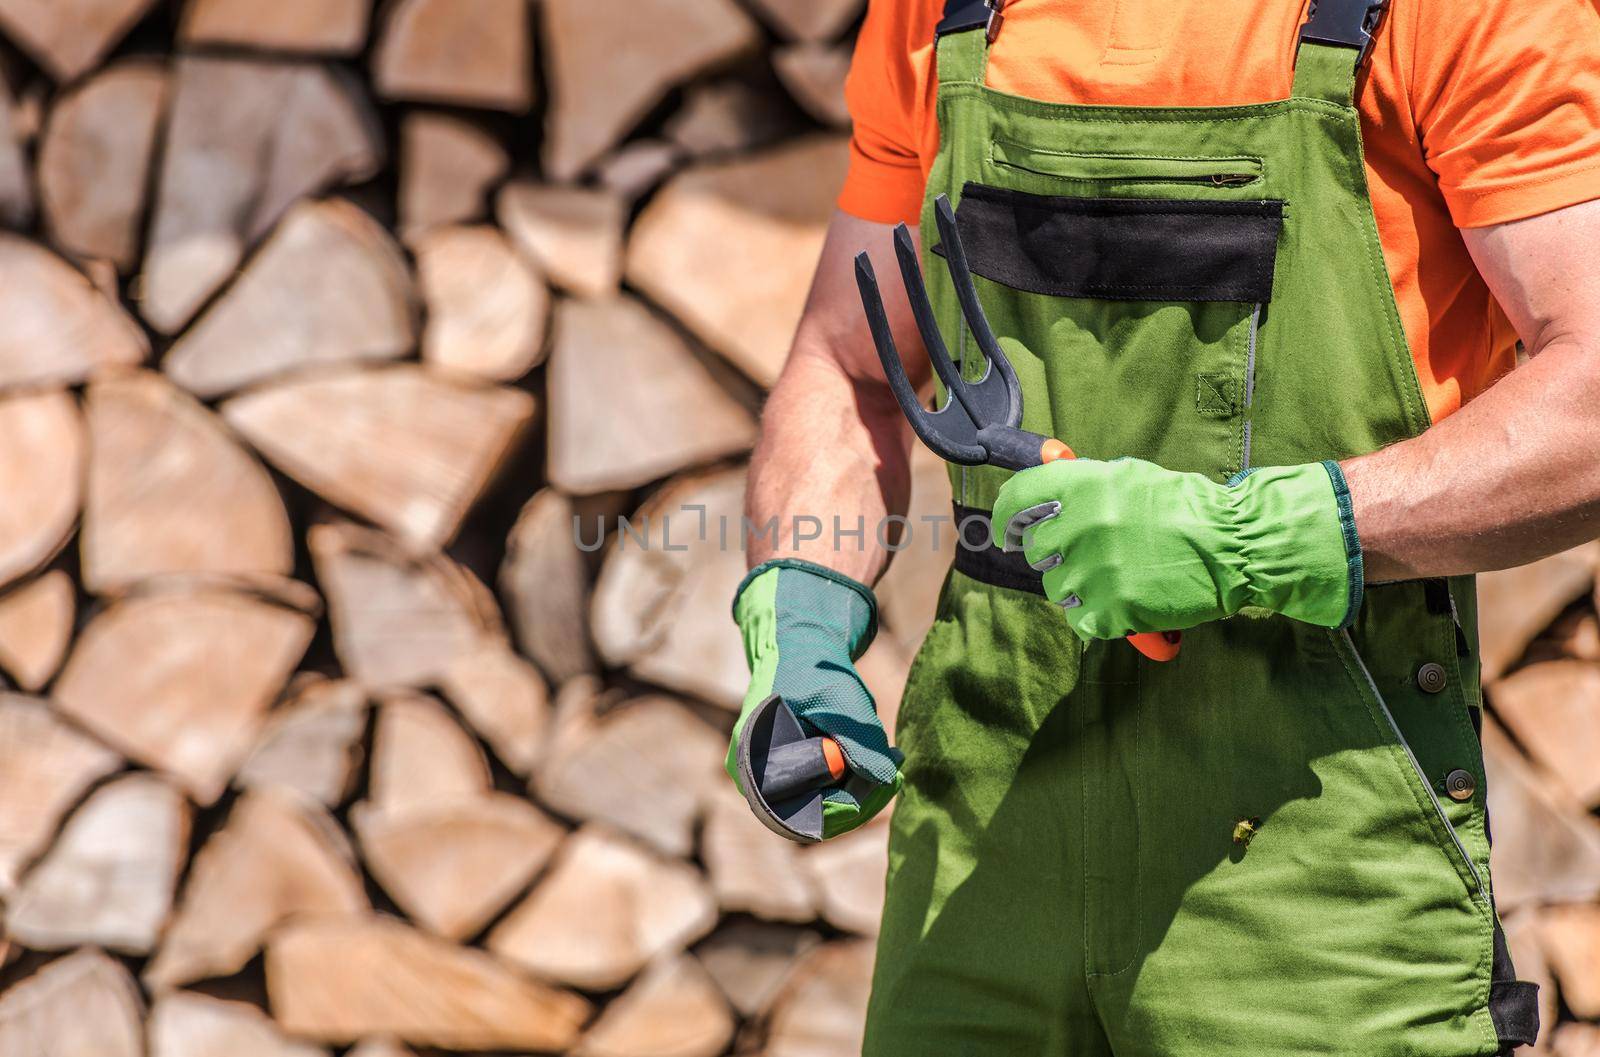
<point>784,772</point>
<point>980,421</point>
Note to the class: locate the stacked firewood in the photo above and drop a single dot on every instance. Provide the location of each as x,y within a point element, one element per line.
<point>374,389</point>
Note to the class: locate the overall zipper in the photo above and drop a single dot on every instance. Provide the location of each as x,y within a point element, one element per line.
<point>1128,170</point>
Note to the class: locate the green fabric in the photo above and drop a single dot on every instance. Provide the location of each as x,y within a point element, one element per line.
<point>1141,548</point>
<point>1063,875</point>
<point>1063,879</point>
<point>804,626</point>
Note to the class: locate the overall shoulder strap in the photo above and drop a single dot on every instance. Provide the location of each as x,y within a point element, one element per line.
<point>962,15</point>
<point>960,42</point>
<point>1334,43</point>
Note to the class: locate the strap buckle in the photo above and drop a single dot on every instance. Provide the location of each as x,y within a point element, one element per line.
<point>997,18</point>
<point>1345,24</point>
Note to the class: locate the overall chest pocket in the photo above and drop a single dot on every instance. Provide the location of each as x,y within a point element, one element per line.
<point>1139,316</point>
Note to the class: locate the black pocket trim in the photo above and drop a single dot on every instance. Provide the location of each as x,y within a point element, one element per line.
<point>1121,249</point>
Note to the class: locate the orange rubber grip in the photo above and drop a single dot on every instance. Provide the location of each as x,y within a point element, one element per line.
<point>1156,645</point>
<point>834,756</point>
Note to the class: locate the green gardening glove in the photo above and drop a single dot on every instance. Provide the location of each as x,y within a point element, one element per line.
<point>1126,546</point>
<point>804,626</point>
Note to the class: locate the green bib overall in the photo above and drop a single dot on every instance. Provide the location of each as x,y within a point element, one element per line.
<point>1275,844</point>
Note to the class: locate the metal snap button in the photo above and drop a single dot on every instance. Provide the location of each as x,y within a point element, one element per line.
<point>1432,677</point>
<point>1460,785</point>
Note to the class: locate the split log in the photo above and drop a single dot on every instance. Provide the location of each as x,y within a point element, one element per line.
<point>810,20</point>
<point>908,594</point>
<point>814,75</point>
<point>752,871</point>
<point>279,855</point>
<point>329,286</point>
<point>486,304</point>
<point>605,909</point>
<point>574,235</point>
<point>728,117</point>
<point>108,879</point>
<point>107,124</point>
<point>751,962</point>
<point>16,188</point>
<point>1516,604</point>
<point>456,864</point>
<point>35,627</point>
<point>884,669</point>
<point>68,37</point>
<point>338,981</point>
<point>380,1048</point>
<point>1546,850</point>
<point>636,168</point>
<point>849,877</point>
<point>45,766</point>
<point>823,1013</point>
<point>171,491</point>
<point>321,27</point>
<point>421,758</point>
<point>544,581</point>
<point>83,1005</point>
<point>1575,635</point>
<point>610,62</point>
<point>398,620</point>
<point>311,744</point>
<point>466,52</point>
<point>1527,954</point>
<point>244,141</point>
<point>55,327</point>
<point>187,1024</point>
<point>203,666</point>
<point>742,295</point>
<point>1570,937</point>
<point>42,437</point>
<point>662,411</point>
<point>1572,1039</point>
<point>663,613</point>
<point>1553,708</point>
<point>505,700</point>
<point>451,853</point>
<point>406,449</point>
<point>673,1009</point>
<point>277,590</point>
<point>447,166</point>
<point>617,768</point>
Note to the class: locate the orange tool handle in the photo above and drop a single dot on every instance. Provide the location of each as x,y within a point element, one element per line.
<point>834,756</point>
<point>1156,645</point>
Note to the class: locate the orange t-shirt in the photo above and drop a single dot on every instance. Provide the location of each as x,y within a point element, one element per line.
<point>1474,112</point>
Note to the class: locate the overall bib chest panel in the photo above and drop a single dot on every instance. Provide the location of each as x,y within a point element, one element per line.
<point>1254,849</point>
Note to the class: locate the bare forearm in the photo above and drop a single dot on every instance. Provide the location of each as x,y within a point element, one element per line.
<point>1514,475</point>
<point>834,454</point>
<point>1510,478</point>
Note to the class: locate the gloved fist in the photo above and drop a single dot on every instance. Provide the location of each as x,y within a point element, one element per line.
<point>804,626</point>
<point>1126,546</point>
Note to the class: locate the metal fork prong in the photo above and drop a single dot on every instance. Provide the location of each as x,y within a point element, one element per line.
<point>927,325</point>
<point>967,294</point>
<point>922,422</point>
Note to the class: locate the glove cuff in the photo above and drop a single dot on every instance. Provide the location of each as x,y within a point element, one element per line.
<point>784,591</point>
<point>1298,537</point>
<point>1355,568</point>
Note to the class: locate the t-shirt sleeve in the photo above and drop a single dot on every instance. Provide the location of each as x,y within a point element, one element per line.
<point>1506,97</point>
<point>885,180</point>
